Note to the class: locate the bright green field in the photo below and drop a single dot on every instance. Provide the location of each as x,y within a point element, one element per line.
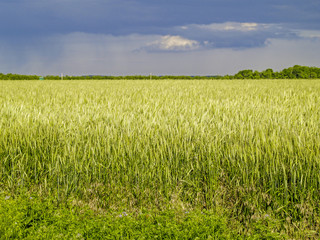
<point>247,151</point>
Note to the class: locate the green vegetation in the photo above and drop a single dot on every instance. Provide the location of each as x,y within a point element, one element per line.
<point>31,218</point>
<point>245,152</point>
<point>34,219</point>
<point>295,72</point>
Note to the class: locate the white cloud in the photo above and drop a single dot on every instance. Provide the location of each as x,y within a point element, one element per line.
<point>309,33</point>
<point>231,26</point>
<point>249,26</point>
<point>173,43</point>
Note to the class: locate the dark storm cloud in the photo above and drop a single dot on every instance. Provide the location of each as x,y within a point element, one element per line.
<point>121,17</point>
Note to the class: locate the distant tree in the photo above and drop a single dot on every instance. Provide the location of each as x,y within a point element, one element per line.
<point>267,74</point>
<point>256,75</point>
<point>299,72</point>
<point>313,75</point>
<point>247,74</point>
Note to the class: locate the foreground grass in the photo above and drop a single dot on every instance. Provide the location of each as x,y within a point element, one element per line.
<point>250,148</point>
<point>29,217</point>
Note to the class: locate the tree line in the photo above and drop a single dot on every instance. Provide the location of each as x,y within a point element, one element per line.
<point>295,72</point>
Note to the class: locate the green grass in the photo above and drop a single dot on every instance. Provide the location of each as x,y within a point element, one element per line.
<point>249,147</point>
<point>33,218</point>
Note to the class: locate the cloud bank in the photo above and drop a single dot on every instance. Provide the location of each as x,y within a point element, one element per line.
<point>83,53</point>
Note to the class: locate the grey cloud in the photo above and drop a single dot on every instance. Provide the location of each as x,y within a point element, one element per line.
<point>123,17</point>
<point>235,35</point>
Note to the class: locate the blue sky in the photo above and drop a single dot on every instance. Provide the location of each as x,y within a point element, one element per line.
<point>127,37</point>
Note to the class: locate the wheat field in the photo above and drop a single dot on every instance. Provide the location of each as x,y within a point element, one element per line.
<point>248,145</point>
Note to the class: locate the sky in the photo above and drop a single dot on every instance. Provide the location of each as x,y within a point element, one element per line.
<point>162,37</point>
